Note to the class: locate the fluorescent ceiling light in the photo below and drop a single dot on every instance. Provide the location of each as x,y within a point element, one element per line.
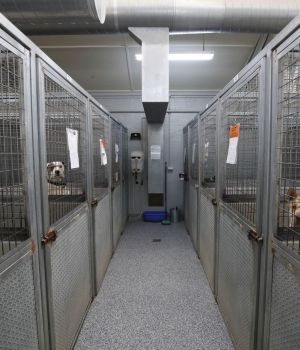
<point>195,32</point>
<point>198,56</point>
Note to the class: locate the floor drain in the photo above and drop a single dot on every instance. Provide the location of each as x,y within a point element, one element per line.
<point>155,240</point>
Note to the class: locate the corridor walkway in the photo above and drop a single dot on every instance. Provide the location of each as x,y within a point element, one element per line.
<point>155,296</point>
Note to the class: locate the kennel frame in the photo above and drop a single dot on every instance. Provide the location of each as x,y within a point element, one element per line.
<point>46,68</point>
<point>46,71</point>
<point>97,200</point>
<point>103,114</point>
<point>276,154</point>
<point>185,133</point>
<point>27,250</point>
<point>213,107</point>
<point>275,251</point>
<point>256,68</point>
<point>193,179</point>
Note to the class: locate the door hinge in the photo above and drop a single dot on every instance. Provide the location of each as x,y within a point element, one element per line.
<point>252,235</point>
<point>49,237</point>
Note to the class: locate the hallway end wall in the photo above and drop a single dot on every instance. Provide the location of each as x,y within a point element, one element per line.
<point>128,109</point>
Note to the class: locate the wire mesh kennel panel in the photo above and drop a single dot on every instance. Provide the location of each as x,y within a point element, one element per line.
<point>239,154</point>
<point>19,308</point>
<point>207,198</point>
<point>64,133</point>
<point>101,200</point>
<point>18,313</point>
<point>208,151</point>
<point>116,173</point>
<point>13,215</point>
<point>186,176</point>
<point>116,215</point>
<point>103,239</point>
<point>285,303</point>
<point>68,271</point>
<point>237,279</point>
<point>206,244</point>
<point>193,180</point>
<point>287,231</point>
<point>241,159</point>
<point>124,176</point>
<point>101,151</point>
<point>63,146</point>
<point>116,144</point>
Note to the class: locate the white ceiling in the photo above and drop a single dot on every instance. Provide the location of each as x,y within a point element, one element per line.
<point>107,62</point>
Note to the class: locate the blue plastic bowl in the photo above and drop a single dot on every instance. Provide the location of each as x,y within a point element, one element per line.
<point>154,216</point>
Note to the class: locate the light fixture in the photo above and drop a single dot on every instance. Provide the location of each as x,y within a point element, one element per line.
<point>196,56</point>
<point>195,32</point>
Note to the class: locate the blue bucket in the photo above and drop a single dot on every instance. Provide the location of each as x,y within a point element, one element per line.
<point>154,216</point>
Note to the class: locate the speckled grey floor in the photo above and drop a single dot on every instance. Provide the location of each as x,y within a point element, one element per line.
<point>154,296</point>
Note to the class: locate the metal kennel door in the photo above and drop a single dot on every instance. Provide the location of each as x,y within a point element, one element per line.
<point>116,183</point>
<point>194,180</point>
<point>207,195</point>
<point>63,115</point>
<point>241,175</point>
<point>124,176</point>
<point>186,176</point>
<point>20,311</point>
<point>101,212</point>
<point>283,326</point>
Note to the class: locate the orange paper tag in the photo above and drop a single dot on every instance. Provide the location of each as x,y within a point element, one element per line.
<point>234,131</point>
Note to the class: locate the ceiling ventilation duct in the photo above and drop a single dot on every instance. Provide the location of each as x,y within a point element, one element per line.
<point>155,71</point>
<point>87,16</point>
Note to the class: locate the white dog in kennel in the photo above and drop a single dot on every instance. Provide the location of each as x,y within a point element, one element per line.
<point>56,178</point>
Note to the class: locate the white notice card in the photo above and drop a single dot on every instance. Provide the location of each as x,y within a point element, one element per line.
<point>233,144</point>
<point>102,152</point>
<point>72,137</point>
<point>155,152</point>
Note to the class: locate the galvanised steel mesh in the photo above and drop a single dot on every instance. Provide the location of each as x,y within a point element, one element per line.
<point>13,218</point>
<point>208,151</point>
<point>64,113</point>
<point>288,150</point>
<point>194,150</point>
<point>240,179</point>
<point>116,153</point>
<point>101,146</point>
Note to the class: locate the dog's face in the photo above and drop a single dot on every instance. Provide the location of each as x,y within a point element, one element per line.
<point>293,200</point>
<point>56,172</point>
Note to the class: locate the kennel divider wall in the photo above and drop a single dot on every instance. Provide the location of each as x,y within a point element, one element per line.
<point>186,176</point>
<point>125,179</point>
<point>193,147</point>
<point>65,209</point>
<point>20,326</point>
<point>101,198</point>
<point>241,187</point>
<point>207,193</point>
<point>283,269</point>
<point>116,173</point>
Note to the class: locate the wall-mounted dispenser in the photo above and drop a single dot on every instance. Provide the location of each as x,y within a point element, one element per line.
<point>137,165</point>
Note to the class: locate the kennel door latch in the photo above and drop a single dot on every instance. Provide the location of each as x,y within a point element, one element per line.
<point>49,237</point>
<point>214,202</point>
<point>252,235</point>
<point>94,203</point>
